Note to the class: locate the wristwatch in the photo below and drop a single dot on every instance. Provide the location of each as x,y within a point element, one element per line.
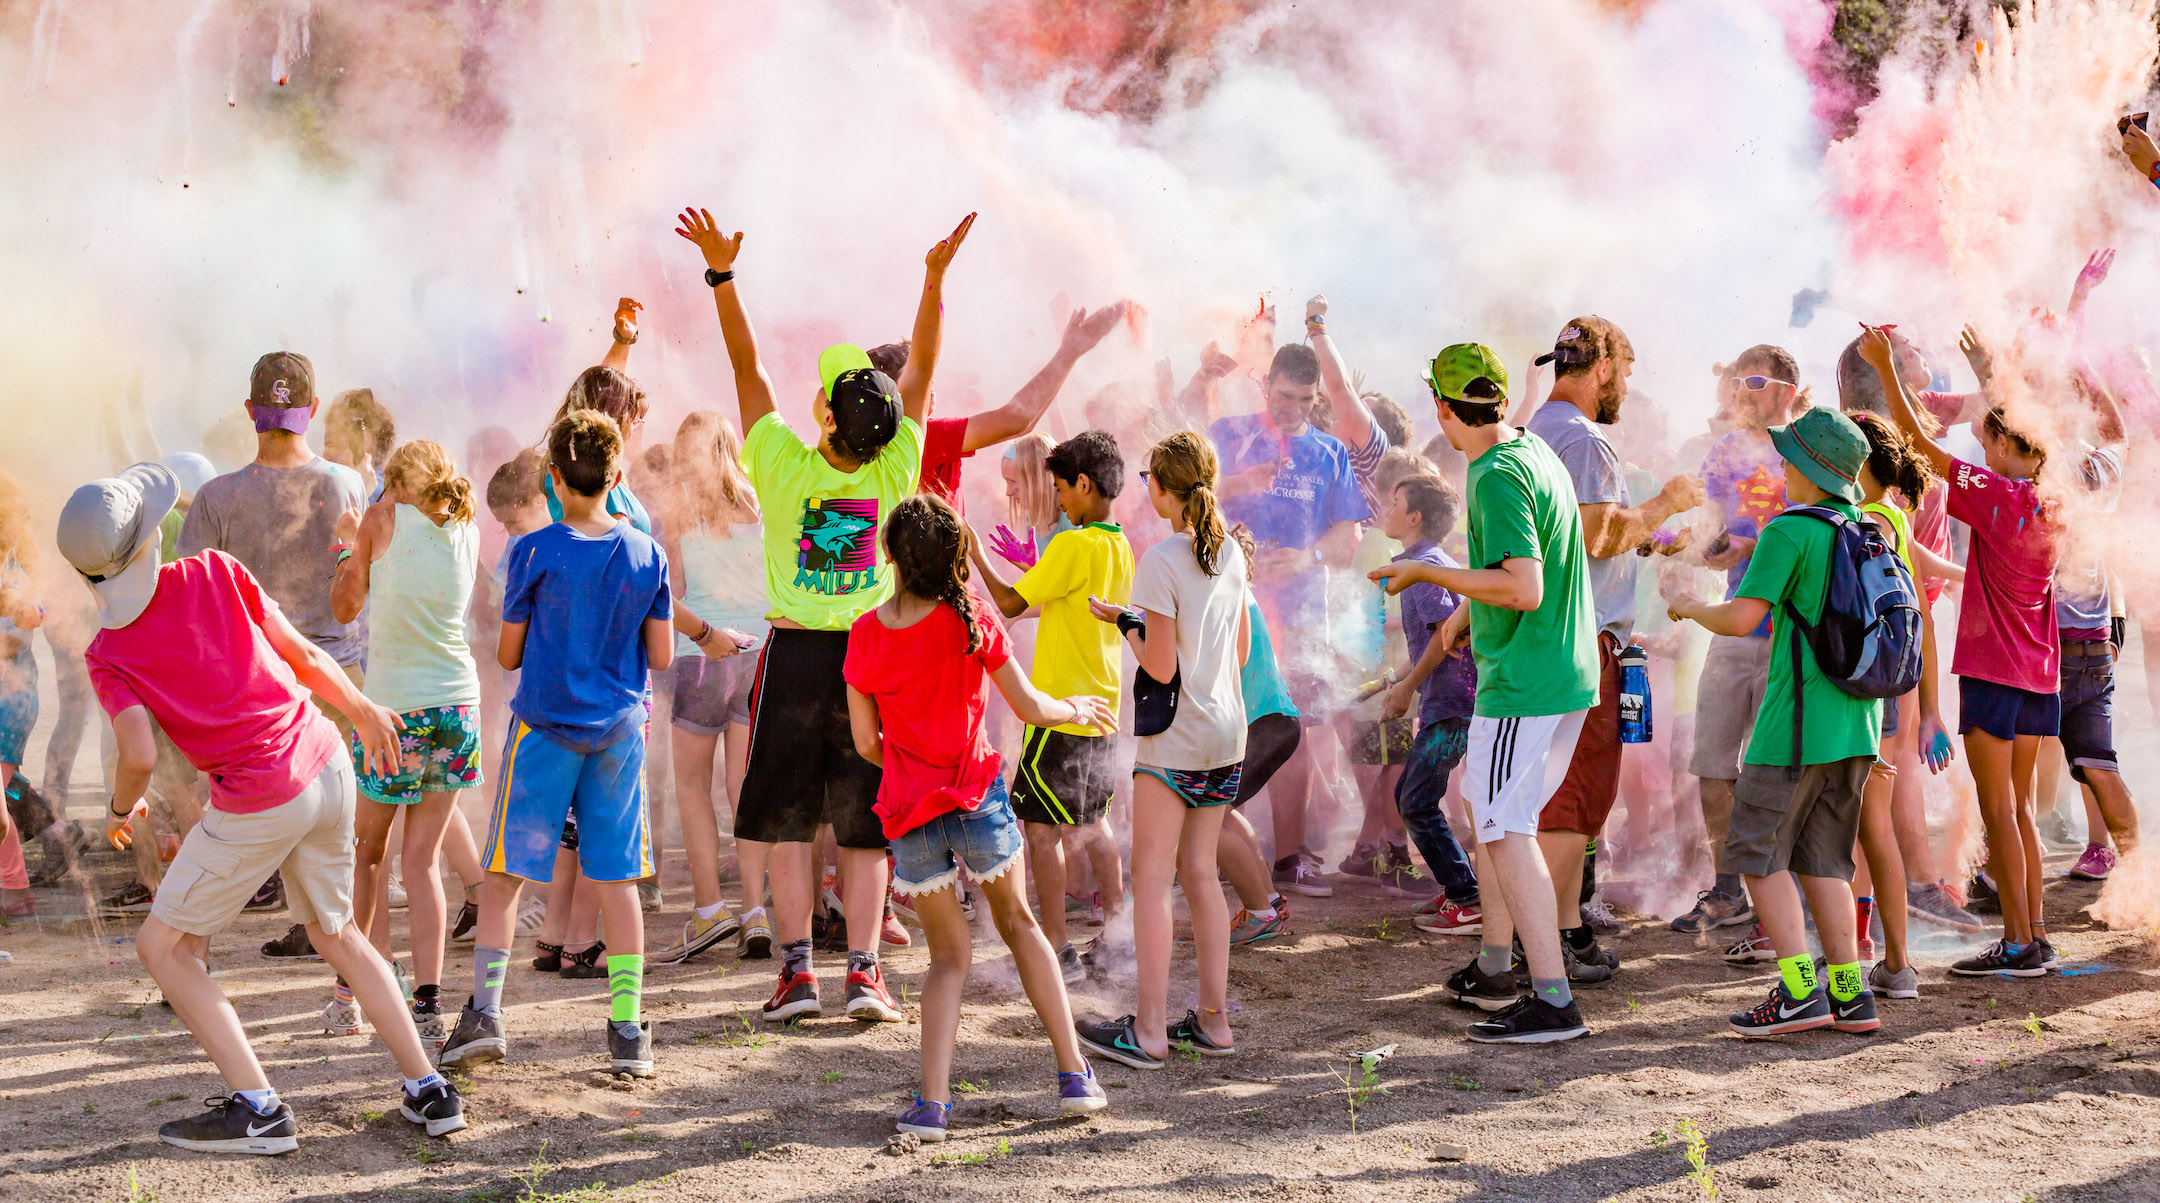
<point>715,279</point>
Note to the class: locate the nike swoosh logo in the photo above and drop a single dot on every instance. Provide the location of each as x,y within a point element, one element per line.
<point>252,1130</point>
<point>1785,1012</point>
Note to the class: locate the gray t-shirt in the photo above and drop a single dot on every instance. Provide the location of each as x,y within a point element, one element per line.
<point>2081,577</point>
<point>1595,468</point>
<point>278,522</point>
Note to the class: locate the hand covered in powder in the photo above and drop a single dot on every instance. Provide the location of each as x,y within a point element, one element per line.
<point>941,255</point>
<point>1087,329</point>
<point>2094,273</point>
<point>1018,552</point>
<point>1091,711</point>
<point>1682,493</point>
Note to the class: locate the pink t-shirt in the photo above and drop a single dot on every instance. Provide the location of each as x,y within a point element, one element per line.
<point>2006,619</point>
<point>1931,529</point>
<point>197,659</point>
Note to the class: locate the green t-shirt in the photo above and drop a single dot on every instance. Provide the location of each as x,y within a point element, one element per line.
<point>1543,661</point>
<point>824,563</point>
<point>1792,562</point>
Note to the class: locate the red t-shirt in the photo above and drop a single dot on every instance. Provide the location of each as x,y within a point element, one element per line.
<point>941,456</point>
<point>2006,618</point>
<point>197,659</point>
<point>931,697</point>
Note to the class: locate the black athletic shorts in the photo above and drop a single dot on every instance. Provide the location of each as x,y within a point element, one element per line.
<point>1063,778</point>
<point>1270,741</point>
<point>803,769</point>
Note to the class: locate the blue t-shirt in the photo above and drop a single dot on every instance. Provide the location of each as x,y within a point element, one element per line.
<point>621,502</point>
<point>1744,477</point>
<point>1451,690</point>
<point>1265,692</point>
<point>587,599</point>
<point>1315,490</point>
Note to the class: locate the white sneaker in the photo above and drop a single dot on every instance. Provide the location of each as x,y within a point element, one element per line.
<point>341,1019</point>
<point>397,891</point>
<point>532,916</point>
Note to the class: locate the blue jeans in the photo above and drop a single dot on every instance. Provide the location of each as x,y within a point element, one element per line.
<point>1440,747</point>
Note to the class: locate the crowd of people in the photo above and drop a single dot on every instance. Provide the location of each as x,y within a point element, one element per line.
<point>1190,606</point>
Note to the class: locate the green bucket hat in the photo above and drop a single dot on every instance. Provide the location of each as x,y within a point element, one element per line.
<point>1453,369</point>
<point>1827,448</point>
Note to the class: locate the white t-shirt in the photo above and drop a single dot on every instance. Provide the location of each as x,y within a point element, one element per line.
<point>1209,730</point>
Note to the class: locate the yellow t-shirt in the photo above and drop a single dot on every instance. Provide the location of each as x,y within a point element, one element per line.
<point>824,564</point>
<point>1076,652</point>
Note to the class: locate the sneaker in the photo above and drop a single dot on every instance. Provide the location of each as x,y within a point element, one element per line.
<point>1935,904</point>
<point>2054,828</point>
<point>1087,909</point>
<point>1781,1013</point>
<point>925,1120</point>
<point>547,958</point>
<point>294,945</point>
<point>477,1040</point>
<point>231,1126</point>
<point>1075,972</point>
<point>1714,910</point>
<point>1448,919</point>
<point>269,896</point>
<point>532,917</point>
<point>2029,961</point>
<point>1080,1093</point>
<point>2095,865</point>
<point>404,979</point>
<point>1117,1041</point>
<point>1590,966</point>
<point>1400,877</point>
<point>587,962</point>
<point>756,937</point>
<point>699,934</point>
<point>341,1019</point>
<point>891,933</point>
<point>867,999</point>
<point>1751,949</point>
<point>398,899</point>
<point>1363,862</point>
<point>649,897</point>
<point>1905,983</point>
<point>1302,878</point>
<point>436,1109</point>
<point>1531,1021</point>
<point>135,898</point>
<point>1855,1014</point>
<point>1185,1035</point>
<point>1598,915</point>
<point>1487,992</point>
<point>1249,929</point>
<point>795,996</point>
<point>1980,896</point>
<point>428,1021</point>
<point>630,1049</point>
<point>468,922</point>
<point>2049,958</point>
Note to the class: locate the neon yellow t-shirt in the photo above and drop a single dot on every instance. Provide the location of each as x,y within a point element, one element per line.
<point>1076,652</point>
<point>824,564</point>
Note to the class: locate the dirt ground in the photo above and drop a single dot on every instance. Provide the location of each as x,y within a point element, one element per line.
<point>1989,1089</point>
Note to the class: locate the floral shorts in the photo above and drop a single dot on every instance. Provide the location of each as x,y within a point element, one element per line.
<point>439,750</point>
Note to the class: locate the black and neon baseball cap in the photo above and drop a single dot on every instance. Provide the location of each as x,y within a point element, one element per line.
<point>865,402</point>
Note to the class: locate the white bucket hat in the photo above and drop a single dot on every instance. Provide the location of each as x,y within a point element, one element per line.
<point>109,532</point>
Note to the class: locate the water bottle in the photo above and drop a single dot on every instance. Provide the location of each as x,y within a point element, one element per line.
<point>1634,695</point>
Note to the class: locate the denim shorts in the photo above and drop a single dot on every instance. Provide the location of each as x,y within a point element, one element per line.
<point>2088,713</point>
<point>986,839</point>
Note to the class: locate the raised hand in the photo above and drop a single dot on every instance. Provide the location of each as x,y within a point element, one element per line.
<point>1086,329</point>
<point>2095,271</point>
<point>1317,307</point>
<point>1018,552</point>
<point>1977,355</point>
<point>719,249</point>
<point>941,255</point>
<point>626,311</point>
<point>1214,364</point>
<point>1877,349</point>
<point>1683,493</point>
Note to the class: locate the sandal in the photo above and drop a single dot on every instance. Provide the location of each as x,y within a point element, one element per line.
<point>550,958</point>
<point>590,961</point>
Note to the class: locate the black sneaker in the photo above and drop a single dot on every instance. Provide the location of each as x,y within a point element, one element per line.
<point>1116,1041</point>
<point>1855,1014</point>
<point>269,896</point>
<point>231,1126</point>
<point>2049,958</point>
<point>1712,911</point>
<point>1486,992</point>
<point>2029,961</point>
<point>1186,1034</point>
<point>477,1040</point>
<point>1781,1013</point>
<point>468,922</point>
<point>630,1052</point>
<point>436,1108</point>
<point>1591,967</point>
<point>294,945</point>
<point>1531,1021</point>
<point>134,898</point>
<point>1981,898</point>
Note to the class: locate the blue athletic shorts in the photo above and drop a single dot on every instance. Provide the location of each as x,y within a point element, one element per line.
<point>2005,711</point>
<point>541,783</point>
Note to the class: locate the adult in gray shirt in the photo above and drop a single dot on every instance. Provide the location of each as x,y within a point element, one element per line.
<point>1591,361</point>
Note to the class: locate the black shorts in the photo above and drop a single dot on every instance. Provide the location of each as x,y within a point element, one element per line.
<point>1063,778</point>
<point>1270,741</point>
<point>803,769</point>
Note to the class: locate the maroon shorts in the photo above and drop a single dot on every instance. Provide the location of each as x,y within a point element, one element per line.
<point>1593,777</point>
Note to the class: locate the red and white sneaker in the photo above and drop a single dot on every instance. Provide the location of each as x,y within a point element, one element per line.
<point>796,996</point>
<point>867,999</point>
<point>1448,919</point>
<point>1753,948</point>
<point>891,932</point>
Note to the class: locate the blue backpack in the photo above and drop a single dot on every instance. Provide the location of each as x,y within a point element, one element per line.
<point>1867,641</point>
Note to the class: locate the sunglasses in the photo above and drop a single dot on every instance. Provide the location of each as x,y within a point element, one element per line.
<point>1756,384</point>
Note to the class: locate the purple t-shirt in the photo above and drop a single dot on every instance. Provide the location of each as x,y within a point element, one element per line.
<point>1451,690</point>
<point>1744,478</point>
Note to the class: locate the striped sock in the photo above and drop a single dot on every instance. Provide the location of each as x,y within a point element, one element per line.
<point>626,986</point>
<point>342,993</point>
<point>490,966</point>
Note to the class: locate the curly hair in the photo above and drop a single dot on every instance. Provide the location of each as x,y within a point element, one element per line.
<point>586,447</point>
<point>423,470</point>
<point>1891,459</point>
<point>928,546</point>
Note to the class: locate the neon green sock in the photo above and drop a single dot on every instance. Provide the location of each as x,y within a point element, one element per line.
<point>626,986</point>
<point>1798,971</point>
<point>1846,982</point>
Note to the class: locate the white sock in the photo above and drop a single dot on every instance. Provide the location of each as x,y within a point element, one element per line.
<point>707,912</point>
<point>413,1086</point>
<point>263,1102</point>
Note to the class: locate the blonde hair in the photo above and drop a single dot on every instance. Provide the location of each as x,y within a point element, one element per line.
<point>1038,492</point>
<point>707,463</point>
<point>1186,467</point>
<point>422,470</point>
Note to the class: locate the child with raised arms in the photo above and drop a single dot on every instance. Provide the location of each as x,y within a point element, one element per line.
<point>918,671</point>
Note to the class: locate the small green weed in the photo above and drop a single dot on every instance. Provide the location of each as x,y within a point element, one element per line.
<point>630,1133</point>
<point>831,1076</point>
<point>137,1190</point>
<point>1634,1004</point>
<point>743,1036</point>
<point>1003,1148</point>
<point>1659,1141</point>
<point>1359,1085</point>
<point>2032,1025</point>
<point>89,1108</point>
<point>1464,1082</point>
<point>1698,1158</point>
<point>369,1115</point>
<point>963,1086</point>
<point>428,1152</point>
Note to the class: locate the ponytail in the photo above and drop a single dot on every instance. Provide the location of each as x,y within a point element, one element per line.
<point>1186,467</point>
<point>1241,534</point>
<point>424,471</point>
<point>1204,514</point>
<point>452,498</point>
<point>1891,459</point>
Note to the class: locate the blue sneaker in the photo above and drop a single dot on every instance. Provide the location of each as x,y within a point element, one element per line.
<point>1080,1093</point>
<point>925,1120</point>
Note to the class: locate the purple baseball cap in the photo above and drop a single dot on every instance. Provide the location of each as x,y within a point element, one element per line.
<point>281,392</point>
